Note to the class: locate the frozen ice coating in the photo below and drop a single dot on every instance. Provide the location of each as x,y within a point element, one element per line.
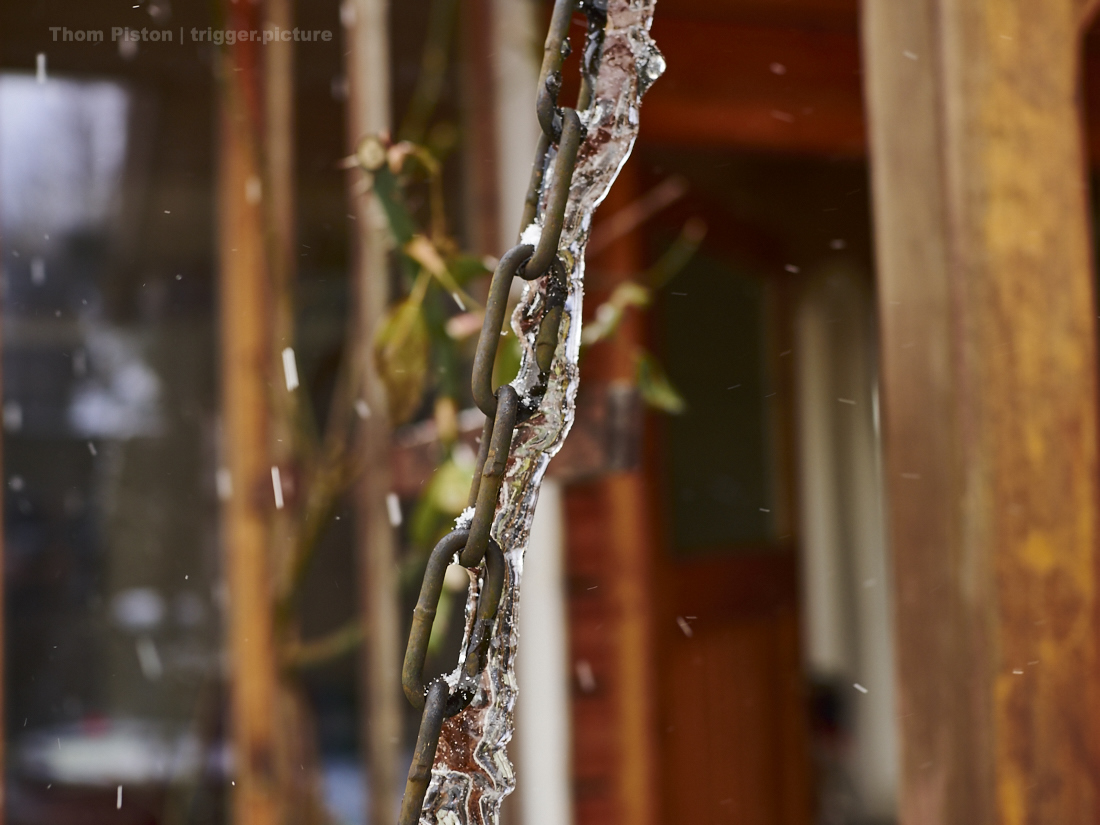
<point>472,773</point>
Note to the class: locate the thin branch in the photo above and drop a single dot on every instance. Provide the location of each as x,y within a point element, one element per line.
<point>433,70</point>
<point>302,655</point>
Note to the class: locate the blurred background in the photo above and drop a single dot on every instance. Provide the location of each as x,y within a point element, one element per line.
<point>708,619</point>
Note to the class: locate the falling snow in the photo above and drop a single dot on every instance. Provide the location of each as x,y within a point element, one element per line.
<point>277,486</point>
<point>393,509</point>
<point>290,369</point>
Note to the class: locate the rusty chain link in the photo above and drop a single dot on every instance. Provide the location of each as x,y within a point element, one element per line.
<point>474,547</point>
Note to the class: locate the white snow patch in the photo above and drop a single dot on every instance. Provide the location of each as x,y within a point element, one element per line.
<point>531,234</point>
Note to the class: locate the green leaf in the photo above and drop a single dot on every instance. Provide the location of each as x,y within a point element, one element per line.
<point>508,358</point>
<point>450,486</point>
<point>678,255</point>
<point>609,314</point>
<point>631,294</point>
<point>444,497</point>
<point>401,350</point>
<point>467,267</point>
<point>655,388</point>
<point>389,194</point>
<point>441,622</point>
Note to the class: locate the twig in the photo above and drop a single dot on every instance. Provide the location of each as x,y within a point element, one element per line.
<point>302,655</point>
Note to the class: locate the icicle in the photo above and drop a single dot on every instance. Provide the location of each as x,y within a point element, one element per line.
<point>472,774</point>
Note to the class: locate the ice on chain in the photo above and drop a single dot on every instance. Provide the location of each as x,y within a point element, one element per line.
<point>472,774</point>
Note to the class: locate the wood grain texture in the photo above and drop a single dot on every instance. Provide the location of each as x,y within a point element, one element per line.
<point>611,649</point>
<point>989,375</point>
<point>728,692</point>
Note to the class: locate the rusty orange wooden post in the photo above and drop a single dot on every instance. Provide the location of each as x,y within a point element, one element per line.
<point>988,327</point>
<point>244,311</point>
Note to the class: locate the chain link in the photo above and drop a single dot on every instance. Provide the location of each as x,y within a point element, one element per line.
<point>474,547</point>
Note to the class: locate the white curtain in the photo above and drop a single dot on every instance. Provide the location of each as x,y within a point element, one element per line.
<point>847,610</point>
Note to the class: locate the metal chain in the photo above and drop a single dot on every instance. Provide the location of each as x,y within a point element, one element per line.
<point>474,547</point>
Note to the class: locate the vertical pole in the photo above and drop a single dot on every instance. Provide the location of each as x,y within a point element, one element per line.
<point>541,745</point>
<point>297,754</point>
<point>988,328</point>
<point>542,750</point>
<point>279,246</point>
<point>3,630</point>
<point>279,156</point>
<point>368,70</point>
<point>631,562</point>
<point>631,692</point>
<point>479,128</point>
<point>517,52</point>
<point>245,360</point>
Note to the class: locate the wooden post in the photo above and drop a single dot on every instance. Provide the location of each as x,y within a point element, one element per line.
<point>245,369</point>
<point>3,636</point>
<point>988,328</point>
<point>478,126</point>
<point>297,755</point>
<point>616,747</point>
<point>278,136</point>
<point>368,70</point>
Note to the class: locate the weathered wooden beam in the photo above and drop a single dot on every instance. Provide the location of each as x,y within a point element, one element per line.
<point>244,298</point>
<point>988,328</point>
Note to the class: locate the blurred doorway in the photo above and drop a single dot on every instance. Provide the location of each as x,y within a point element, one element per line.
<point>763,551</point>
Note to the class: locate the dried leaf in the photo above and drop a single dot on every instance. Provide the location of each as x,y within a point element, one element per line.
<point>655,387</point>
<point>446,419</point>
<point>426,253</point>
<point>396,154</point>
<point>402,349</point>
<point>460,327</point>
<point>423,251</point>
